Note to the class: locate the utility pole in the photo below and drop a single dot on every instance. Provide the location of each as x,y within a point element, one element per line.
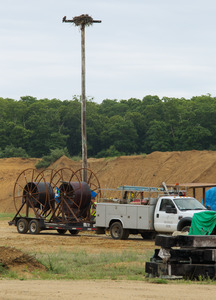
<point>83,21</point>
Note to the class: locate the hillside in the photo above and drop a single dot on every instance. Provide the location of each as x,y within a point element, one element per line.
<point>151,170</point>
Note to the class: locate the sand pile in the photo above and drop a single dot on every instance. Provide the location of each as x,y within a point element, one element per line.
<point>16,260</point>
<point>151,170</point>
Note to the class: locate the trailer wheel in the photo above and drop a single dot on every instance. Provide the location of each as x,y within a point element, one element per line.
<point>22,226</point>
<point>74,232</point>
<point>61,231</point>
<point>118,232</point>
<point>34,227</point>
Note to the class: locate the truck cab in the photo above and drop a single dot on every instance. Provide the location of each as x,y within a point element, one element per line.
<point>175,213</point>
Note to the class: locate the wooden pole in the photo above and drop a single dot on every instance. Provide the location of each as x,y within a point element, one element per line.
<point>82,21</point>
<point>83,108</point>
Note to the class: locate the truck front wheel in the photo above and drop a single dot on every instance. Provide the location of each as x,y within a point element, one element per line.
<point>118,232</point>
<point>186,229</point>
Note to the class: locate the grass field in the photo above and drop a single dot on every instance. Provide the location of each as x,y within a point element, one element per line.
<point>84,264</point>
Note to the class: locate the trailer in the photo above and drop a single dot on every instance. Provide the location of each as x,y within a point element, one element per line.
<point>36,225</point>
<point>54,200</point>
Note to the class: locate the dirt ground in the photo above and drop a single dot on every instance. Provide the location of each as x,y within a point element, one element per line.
<point>171,167</point>
<point>84,289</point>
<point>51,241</point>
<point>102,289</point>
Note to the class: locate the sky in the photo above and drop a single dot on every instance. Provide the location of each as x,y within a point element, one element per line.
<point>142,47</point>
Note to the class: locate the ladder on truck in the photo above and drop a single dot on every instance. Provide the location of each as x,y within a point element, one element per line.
<point>130,190</point>
<point>136,194</point>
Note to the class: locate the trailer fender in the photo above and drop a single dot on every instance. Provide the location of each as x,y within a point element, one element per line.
<point>184,223</point>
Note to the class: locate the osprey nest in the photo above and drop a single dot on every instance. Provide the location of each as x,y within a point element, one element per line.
<point>83,20</point>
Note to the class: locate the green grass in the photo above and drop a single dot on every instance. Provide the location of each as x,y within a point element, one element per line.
<point>82,265</point>
<point>76,158</point>
<point>6,216</point>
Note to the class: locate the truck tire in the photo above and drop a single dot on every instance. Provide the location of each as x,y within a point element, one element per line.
<point>34,227</point>
<point>118,232</point>
<point>61,231</point>
<point>186,229</point>
<point>22,226</point>
<point>184,224</point>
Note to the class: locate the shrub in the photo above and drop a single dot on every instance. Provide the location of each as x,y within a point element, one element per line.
<point>11,151</point>
<point>110,152</point>
<point>51,158</point>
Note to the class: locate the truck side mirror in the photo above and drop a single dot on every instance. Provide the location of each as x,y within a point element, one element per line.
<point>171,210</point>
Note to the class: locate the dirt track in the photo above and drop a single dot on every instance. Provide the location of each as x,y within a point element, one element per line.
<point>100,289</point>
<point>50,241</point>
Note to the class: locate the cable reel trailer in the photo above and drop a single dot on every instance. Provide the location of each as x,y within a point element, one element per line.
<point>54,200</point>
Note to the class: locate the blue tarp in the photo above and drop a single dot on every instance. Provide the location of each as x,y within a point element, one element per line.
<point>93,194</point>
<point>210,198</point>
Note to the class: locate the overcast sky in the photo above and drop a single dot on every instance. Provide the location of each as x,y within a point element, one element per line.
<point>142,47</point>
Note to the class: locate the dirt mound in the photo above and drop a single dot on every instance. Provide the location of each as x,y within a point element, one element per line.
<point>149,170</point>
<point>65,162</point>
<point>16,260</point>
<point>10,168</point>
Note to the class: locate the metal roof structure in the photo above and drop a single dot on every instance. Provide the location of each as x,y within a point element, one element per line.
<point>194,186</point>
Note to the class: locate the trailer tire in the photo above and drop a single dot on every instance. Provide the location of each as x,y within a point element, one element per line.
<point>34,227</point>
<point>118,232</point>
<point>22,226</point>
<point>61,231</point>
<point>74,232</point>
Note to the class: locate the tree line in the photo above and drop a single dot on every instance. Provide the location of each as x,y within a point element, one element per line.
<point>33,127</point>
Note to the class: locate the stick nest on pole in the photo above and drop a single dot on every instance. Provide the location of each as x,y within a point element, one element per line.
<point>85,20</point>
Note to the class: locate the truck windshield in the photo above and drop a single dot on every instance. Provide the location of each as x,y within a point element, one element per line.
<point>188,204</point>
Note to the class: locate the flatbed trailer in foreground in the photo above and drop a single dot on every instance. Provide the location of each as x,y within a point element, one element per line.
<point>188,257</point>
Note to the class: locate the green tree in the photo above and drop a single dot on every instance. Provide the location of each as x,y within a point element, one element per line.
<point>120,133</point>
<point>158,138</point>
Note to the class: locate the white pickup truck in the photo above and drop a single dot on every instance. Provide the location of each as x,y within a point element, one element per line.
<point>164,214</point>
